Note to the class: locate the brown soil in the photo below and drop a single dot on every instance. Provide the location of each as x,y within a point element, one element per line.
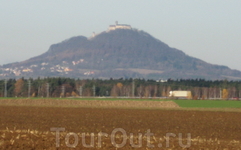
<point>25,127</point>
<point>89,103</point>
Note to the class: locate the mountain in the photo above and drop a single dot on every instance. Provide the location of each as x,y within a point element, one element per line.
<point>117,53</point>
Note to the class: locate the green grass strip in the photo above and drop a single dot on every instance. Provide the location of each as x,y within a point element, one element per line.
<point>208,103</point>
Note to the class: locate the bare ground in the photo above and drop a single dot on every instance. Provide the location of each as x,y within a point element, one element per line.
<point>89,103</point>
<point>28,128</point>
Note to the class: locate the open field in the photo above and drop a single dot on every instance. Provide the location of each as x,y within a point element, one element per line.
<point>117,103</point>
<point>208,103</point>
<point>28,127</point>
<point>125,103</point>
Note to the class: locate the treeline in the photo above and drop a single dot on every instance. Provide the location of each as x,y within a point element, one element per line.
<point>67,87</point>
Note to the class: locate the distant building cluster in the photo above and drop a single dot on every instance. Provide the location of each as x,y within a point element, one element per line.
<point>59,68</point>
<point>77,62</point>
<point>17,71</point>
<point>119,26</point>
<point>65,67</point>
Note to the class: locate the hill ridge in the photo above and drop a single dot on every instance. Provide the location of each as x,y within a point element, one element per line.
<point>104,53</point>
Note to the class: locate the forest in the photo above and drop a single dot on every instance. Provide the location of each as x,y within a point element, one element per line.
<point>141,88</point>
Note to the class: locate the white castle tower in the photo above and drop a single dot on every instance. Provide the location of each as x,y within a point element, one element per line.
<point>119,26</point>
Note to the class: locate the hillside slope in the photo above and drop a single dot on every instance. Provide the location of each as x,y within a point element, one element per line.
<point>119,53</point>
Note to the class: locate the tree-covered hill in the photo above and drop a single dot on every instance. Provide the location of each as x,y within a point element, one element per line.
<point>120,53</point>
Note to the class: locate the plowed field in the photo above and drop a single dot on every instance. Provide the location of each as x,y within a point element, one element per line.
<point>28,127</point>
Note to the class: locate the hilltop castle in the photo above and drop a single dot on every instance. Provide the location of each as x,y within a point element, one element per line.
<point>119,26</point>
<point>114,27</point>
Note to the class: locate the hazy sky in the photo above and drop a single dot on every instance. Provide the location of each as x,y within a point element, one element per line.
<point>206,29</point>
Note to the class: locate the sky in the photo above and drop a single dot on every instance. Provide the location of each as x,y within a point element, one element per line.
<point>208,30</point>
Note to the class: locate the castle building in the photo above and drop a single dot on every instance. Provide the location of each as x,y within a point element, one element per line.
<point>119,26</point>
